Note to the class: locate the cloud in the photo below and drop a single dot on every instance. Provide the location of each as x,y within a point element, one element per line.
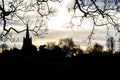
<point>79,37</point>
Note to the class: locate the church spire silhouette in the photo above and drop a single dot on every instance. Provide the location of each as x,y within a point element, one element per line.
<point>27,32</point>
<point>27,40</point>
<point>28,48</point>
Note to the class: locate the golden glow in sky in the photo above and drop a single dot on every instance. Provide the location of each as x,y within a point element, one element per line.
<point>57,30</point>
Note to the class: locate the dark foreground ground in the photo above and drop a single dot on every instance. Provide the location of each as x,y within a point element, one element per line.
<point>80,63</point>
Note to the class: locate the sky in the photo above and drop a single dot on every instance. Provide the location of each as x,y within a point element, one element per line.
<point>57,30</point>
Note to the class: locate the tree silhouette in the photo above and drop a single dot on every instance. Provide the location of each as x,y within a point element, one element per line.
<point>66,44</point>
<point>119,44</point>
<point>4,47</point>
<point>21,12</point>
<point>99,12</point>
<point>110,44</point>
<point>50,45</point>
<point>89,49</point>
<point>97,49</point>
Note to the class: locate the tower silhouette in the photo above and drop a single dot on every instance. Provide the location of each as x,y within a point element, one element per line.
<point>28,48</point>
<point>27,41</point>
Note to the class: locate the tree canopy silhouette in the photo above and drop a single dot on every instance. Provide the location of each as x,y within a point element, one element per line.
<point>97,49</point>
<point>111,44</point>
<point>66,44</point>
<point>100,12</point>
<point>4,46</point>
<point>33,13</point>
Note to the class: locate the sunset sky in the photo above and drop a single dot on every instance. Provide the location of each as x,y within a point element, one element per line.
<point>57,30</point>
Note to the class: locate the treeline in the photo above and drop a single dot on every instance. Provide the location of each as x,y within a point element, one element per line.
<point>65,48</point>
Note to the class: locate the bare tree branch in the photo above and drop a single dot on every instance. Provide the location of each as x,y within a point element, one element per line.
<point>100,12</point>
<point>19,11</point>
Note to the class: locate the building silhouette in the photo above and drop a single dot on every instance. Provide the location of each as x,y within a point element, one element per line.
<point>28,48</point>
